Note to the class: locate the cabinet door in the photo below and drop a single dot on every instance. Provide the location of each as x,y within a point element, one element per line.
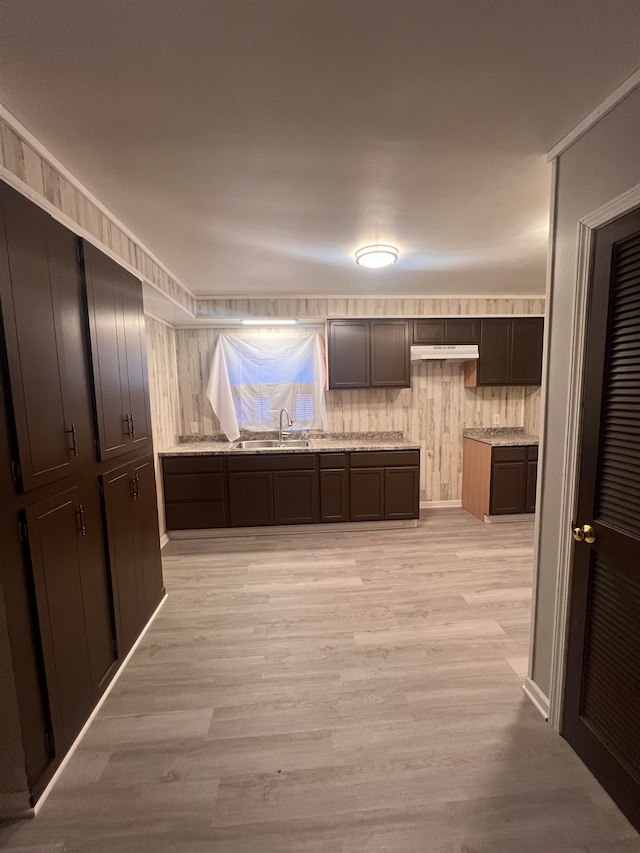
<point>428,331</point>
<point>34,252</point>
<point>526,351</point>
<point>367,494</point>
<point>108,352</point>
<point>148,559</point>
<point>390,354</point>
<point>494,364</point>
<point>295,497</point>
<point>136,355</point>
<point>462,331</point>
<point>118,490</point>
<point>57,559</point>
<point>349,354</point>
<point>532,482</point>
<point>250,498</point>
<point>401,493</point>
<point>334,495</point>
<point>508,487</point>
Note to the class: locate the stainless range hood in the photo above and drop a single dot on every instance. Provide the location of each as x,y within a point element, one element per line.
<point>445,352</point>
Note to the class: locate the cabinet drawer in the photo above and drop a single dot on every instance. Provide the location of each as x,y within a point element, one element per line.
<point>333,460</point>
<point>192,464</point>
<point>509,454</point>
<point>532,453</point>
<point>384,458</point>
<point>195,516</point>
<point>193,487</point>
<point>273,462</point>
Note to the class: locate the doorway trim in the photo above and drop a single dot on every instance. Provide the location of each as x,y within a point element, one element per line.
<point>617,207</point>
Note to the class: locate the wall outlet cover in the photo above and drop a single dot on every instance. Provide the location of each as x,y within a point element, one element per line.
<point>496,420</point>
<point>194,426</point>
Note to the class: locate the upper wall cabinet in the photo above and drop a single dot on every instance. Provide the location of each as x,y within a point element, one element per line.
<point>38,272</point>
<point>116,327</point>
<point>510,352</point>
<point>449,330</point>
<point>369,354</point>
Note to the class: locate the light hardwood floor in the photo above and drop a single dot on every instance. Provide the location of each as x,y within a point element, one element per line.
<point>332,693</point>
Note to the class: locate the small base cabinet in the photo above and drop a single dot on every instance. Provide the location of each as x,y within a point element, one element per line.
<point>499,480</point>
<point>257,490</point>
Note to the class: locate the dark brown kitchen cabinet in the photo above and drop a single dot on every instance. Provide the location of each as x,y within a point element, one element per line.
<point>194,492</point>
<point>334,487</point>
<point>369,353</point>
<point>401,492</point>
<point>510,352</point>
<point>508,486</point>
<point>250,498</point>
<point>57,532</point>
<point>116,330</point>
<point>390,354</point>
<point>514,472</point>
<point>36,254</point>
<point>349,354</point>
<point>526,351</point>
<point>295,497</point>
<point>446,330</point>
<point>366,487</point>
<point>384,485</point>
<point>498,480</point>
<point>134,547</point>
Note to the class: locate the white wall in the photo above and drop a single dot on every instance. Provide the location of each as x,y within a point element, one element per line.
<point>597,168</point>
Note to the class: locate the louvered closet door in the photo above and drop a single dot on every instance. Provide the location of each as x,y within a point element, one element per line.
<point>602,694</point>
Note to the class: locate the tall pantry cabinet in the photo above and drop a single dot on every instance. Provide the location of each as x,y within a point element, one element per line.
<point>74,405</point>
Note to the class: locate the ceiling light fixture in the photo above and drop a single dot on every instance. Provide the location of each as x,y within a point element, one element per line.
<point>377,256</point>
<point>269,322</point>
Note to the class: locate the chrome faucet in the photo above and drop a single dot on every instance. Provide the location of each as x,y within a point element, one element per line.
<point>281,432</point>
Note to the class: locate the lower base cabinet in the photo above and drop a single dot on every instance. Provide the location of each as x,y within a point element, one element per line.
<point>499,480</point>
<point>256,490</point>
<point>133,545</point>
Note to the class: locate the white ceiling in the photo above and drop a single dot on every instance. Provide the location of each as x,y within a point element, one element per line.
<point>255,144</point>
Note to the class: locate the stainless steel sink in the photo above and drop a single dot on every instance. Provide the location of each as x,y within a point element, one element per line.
<point>272,443</point>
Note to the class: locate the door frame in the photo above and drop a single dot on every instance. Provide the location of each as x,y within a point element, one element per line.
<point>587,225</point>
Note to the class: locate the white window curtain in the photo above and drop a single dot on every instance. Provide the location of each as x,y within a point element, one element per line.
<point>253,376</point>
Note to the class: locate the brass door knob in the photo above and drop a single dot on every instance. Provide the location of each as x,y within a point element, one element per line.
<point>586,533</point>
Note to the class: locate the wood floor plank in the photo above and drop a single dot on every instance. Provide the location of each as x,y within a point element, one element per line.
<point>334,693</point>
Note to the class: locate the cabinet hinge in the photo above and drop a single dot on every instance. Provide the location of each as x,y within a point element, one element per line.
<point>79,251</point>
<point>23,532</point>
<point>16,472</point>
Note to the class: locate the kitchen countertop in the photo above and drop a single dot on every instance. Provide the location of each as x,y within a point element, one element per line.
<point>502,436</point>
<point>318,445</point>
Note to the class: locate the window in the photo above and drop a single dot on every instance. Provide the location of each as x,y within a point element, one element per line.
<point>255,375</point>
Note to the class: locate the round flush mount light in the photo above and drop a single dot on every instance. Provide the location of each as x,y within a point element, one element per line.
<point>377,256</point>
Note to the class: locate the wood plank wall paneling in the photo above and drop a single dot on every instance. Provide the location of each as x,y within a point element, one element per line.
<point>334,307</point>
<point>434,411</point>
<point>26,164</point>
<point>163,393</point>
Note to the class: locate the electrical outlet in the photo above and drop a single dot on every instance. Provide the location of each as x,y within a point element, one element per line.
<point>194,426</point>
<point>496,420</point>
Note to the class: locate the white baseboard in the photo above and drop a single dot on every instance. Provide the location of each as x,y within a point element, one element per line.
<point>164,540</point>
<point>84,729</point>
<point>536,696</point>
<point>291,529</point>
<point>439,504</point>
<point>510,519</point>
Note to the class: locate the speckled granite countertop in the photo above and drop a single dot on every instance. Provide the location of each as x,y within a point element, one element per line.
<point>502,436</point>
<point>318,445</point>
